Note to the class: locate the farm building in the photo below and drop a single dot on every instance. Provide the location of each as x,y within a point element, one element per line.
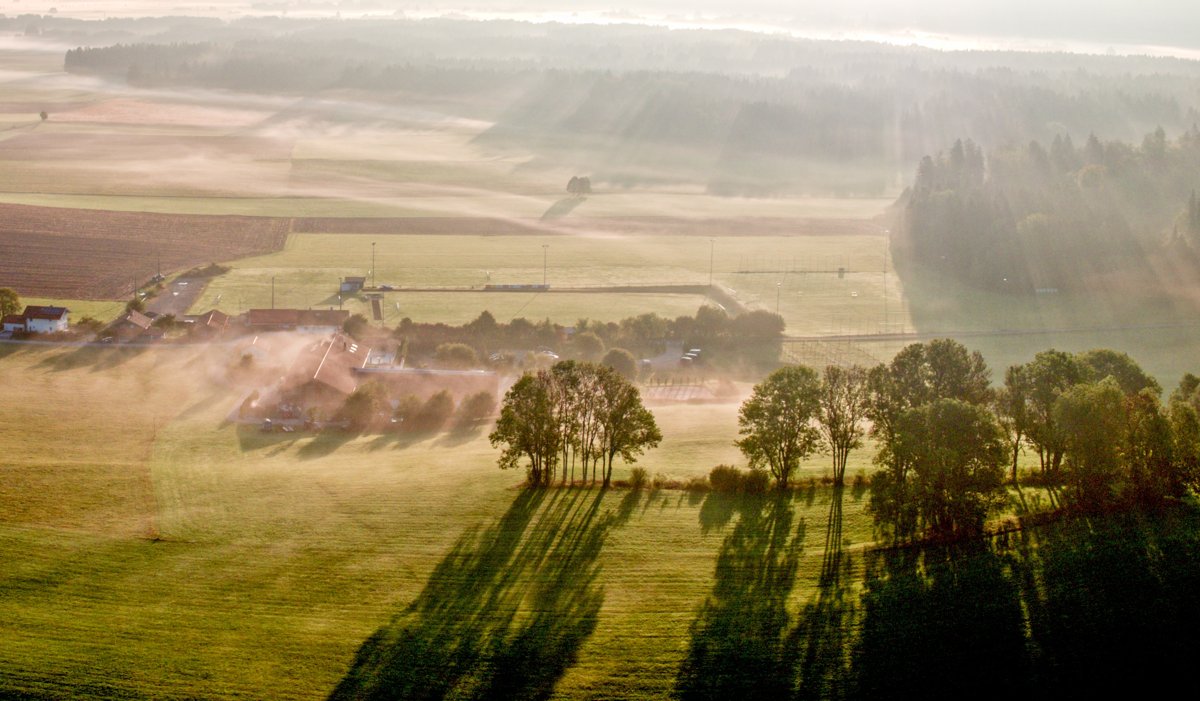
<point>303,320</point>
<point>352,285</point>
<point>11,323</point>
<point>39,320</point>
<point>133,324</point>
<point>212,323</point>
<point>325,372</point>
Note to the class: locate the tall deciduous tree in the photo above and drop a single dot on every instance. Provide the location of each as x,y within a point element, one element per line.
<point>527,428</point>
<point>777,421</point>
<point>843,407</point>
<point>953,453</point>
<point>1012,409</point>
<point>626,427</point>
<point>1048,376</point>
<point>1092,418</point>
<point>10,301</point>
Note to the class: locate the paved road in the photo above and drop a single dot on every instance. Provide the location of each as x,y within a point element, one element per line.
<point>178,297</point>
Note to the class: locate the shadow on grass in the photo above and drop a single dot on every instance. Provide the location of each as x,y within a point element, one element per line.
<point>823,636</point>
<point>739,646</point>
<point>1114,605</point>
<point>562,207</point>
<point>1101,608</point>
<point>940,623</point>
<point>504,613</point>
<point>96,358</point>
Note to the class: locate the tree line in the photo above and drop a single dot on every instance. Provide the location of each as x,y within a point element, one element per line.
<point>751,339</point>
<point>946,438</point>
<point>1033,218</point>
<point>573,415</point>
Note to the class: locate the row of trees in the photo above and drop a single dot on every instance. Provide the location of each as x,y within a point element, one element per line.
<point>945,437</point>
<point>750,338</point>
<point>575,413</point>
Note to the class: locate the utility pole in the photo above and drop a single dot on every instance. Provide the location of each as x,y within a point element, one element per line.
<point>545,248</point>
<point>372,264</point>
<point>778,288</point>
<point>272,291</point>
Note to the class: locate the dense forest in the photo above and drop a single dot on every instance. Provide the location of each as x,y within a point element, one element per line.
<point>738,112</point>
<point>1059,218</point>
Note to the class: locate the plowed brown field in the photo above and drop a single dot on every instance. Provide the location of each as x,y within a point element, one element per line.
<point>93,254</point>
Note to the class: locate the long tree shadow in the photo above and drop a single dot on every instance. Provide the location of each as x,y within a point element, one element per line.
<point>1114,605</point>
<point>505,612</point>
<point>823,637</point>
<point>940,622</point>
<point>739,640</point>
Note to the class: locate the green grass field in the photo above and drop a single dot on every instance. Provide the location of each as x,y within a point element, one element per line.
<point>307,271</point>
<point>162,552</point>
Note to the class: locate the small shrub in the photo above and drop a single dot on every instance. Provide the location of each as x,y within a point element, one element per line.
<point>476,408</point>
<point>437,410</point>
<point>458,356</point>
<point>638,478</point>
<point>860,480</point>
<point>756,482</point>
<point>725,479</point>
<point>659,481</point>
<point>407,409</point>
<point>697,484</point>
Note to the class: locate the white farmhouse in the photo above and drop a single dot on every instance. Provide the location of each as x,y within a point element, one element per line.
<point>38,319</point>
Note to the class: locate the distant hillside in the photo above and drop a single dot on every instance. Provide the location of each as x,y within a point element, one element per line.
<point>738,113</point>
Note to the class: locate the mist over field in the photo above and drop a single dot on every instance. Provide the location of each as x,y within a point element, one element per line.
<point>372,349</point>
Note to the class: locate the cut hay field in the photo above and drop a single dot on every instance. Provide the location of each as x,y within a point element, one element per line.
<point>160,552</point>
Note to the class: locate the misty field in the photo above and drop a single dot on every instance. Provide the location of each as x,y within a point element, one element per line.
<point>163,552</point>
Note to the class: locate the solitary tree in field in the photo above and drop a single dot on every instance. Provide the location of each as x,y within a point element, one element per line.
<point>777,421</point>
<point>843,412</point>
<point>10,301</point>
